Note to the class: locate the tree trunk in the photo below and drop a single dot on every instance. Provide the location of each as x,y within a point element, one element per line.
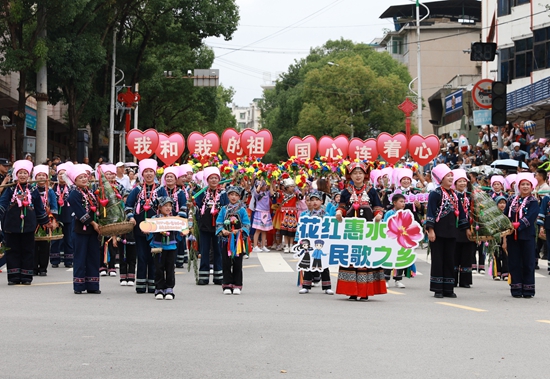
<point>20,119</point>
<point>70,95</point>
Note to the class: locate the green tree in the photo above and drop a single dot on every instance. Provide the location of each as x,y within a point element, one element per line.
<point>337,86</point>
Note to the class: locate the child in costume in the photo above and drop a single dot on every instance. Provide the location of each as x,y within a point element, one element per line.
<point>110,251</point>
<point>501,261</point>
<point>290,197</point>
<point>262,222</point>
<point>20,211</point>
<point>179,197</point>
<point>464,247</point>
<point>86,232</point>
<point>165,245</point>
<point>65,219</point>
<point>311,274</point>
<point>232,228</point>
<point>398,201</point>
<point>41,174</point>
<point>126,245</point>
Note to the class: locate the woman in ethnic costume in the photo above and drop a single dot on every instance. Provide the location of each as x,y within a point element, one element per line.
<point>360,200</point>
<point>465,248</point>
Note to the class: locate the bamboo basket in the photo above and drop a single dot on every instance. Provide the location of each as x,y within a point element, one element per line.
<point>49,237</point>
<point>116,229</point>
<point>475,238</point>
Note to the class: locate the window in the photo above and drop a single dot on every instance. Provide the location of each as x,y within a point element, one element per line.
<point>507,65</point>
<point>524,57</point>
<point>242,115</point>
<point>505,6</point>
<point>541,49</point>
<point>397,46</point>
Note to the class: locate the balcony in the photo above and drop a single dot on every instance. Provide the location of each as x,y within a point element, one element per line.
<point>528,95</point>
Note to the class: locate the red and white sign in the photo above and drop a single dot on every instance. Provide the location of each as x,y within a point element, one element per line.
<point>423,149</point>
<point>142,144</point>
<point>231,144</point>
<point>170,147</point>
<point>256,144</point>
<point>391,148</point>
<point>332,148</point>
<point>363,150</point>
<point>304,148</point>
<point>203,145</point>
<point>481,93</point>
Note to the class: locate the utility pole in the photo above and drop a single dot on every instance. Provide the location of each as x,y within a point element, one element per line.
<point>112,110</point>
<point>42,98</point>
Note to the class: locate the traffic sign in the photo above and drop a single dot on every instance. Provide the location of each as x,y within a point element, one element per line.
<point>481,93</point>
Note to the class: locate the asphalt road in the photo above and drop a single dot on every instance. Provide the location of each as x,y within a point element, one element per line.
<point>271,331</point>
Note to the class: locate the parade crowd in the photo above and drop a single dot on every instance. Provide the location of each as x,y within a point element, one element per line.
<point>233,216</point>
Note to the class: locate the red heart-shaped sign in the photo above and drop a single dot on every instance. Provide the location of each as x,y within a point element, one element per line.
<point>304,148</point>
<point>170,147</point>
<point>256,144</point>
<point>142,144</point>
<point>363,150</point>
<point>391,148</point>
<point>423,149</point>
<point>231,144</point>
<point>332,148</point>
<point>203,145</point>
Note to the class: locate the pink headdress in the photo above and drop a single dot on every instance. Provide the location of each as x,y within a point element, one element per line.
<point>211,170</point>
<point>509,180</point>
<point>526,176</point>
<point>40,169</point>
<point>64,166</point>
<point>497,178</point>
<point>387,171</point>
<point>439,172</point>
<point>403,173</point>
<point>108,167</point>
<point>145,164</point>
<point>185,169</point>
<point>459,174</point>
<point>22,164</point>
<point>75,171</point>
<point>374,175</point>
<point>169,170</point>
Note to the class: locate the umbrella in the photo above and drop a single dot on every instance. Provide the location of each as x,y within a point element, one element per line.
<point>508,164</point>
<point>130,164</point>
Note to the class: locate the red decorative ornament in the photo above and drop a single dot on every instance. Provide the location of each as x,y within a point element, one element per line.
<point>391,148</point>
<point>203,144</point>
<point>408,108</point>
<point>256,144</point>
<point>423,149</point>
<point>170,147</point>
<point>332,148</point>
<point>304,148</point>
<point>129,99</point>
<point>363,150</point>
<point>142,144</point>
<point>231,144</point>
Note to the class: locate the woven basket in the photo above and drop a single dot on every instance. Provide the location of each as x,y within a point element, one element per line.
<point>475,238</point>
<point>49,237</point>
<point>116,229</point>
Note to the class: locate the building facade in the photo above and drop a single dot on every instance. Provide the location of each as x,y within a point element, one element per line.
<point>248,117</point>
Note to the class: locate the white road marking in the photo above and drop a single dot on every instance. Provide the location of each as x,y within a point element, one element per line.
<point>274,262</point>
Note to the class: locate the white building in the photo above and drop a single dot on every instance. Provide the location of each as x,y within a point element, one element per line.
<point>521,29</point>
<point>248,117</point>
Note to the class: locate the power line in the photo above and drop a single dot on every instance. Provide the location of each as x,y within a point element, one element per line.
<point>318,12</point>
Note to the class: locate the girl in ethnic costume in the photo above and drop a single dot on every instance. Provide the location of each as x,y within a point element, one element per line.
<point>360,200</point>
<point>262,215</point>
<point>41,174</point>
<point>86,229</point>
<point>444,217</point>
<point>209,204</point>
<point>501,271</point>
<point>179,201</point>
<point>126,245</point>
<point>20,211</point>
<point>185,174</point>
<point>464,247</point>
<point>65,219</point>
<point>522,210</point>
<point>290,197</point>
<point>141,204</point>
<point>165,259</point>
<point>232,228</point>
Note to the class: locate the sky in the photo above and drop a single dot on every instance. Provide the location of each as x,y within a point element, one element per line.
<point>272,34</point>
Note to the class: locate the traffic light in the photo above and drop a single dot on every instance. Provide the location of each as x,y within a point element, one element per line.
<point>483,51</point>
<point>498,104</point>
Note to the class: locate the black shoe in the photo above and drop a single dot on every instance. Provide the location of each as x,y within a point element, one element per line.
<point>68,266</point>
<point>202,282</point>
<point>55,266</point>
<point>97,292</point>
<point>438,295</point>
<point>43,274</point>
<point>537,267</point>
<point>465,286</point>
<point>151,290</point>
<point>13,283</point>
<point>26,283</point>
<point>352,298</point>
<point>185,259</point>
<point>517,296</point>
<point>179,266</point>
<point>218,282</point>
<point>78,292</point>
<point>452,295</point>
<point>527,296</point>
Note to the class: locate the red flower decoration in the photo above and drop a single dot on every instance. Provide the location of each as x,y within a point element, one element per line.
<point>405,229</point>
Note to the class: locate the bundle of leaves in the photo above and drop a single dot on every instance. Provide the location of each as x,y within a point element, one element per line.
<point>489,221</point>
<point>113,211</point>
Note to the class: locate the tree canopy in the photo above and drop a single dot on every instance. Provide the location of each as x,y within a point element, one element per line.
<point>337,85</point>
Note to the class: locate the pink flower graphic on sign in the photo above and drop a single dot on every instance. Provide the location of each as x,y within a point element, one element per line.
<point>405,229</point>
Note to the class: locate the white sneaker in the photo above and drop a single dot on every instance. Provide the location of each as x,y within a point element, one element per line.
<point>131,284</point>
<point>246,256</point>
<point>387,284</point>
<point>329,292</point>
<point>286,249</point>
<point>112,273</point>
<point>315,284</point>
<point>257,249</point>
<point>169,296</point>
<point>303,291</point>
<point>124,283</point>
<point>398,284</point>
<point>103,273</point>
<point>482,272</point>
<point>117,265</point>
<point>265,249</point>
<point>236,291</point>
<point>159,296</point>
<point>227,291</point>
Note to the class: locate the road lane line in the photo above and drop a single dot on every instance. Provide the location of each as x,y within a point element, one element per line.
<point>274,262</point>
<point>537,275</point>
<point>44,284</point>
<point>249,266</point>
<point>462,307</point>
<point>395,292</point>
<point>544,321</point>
